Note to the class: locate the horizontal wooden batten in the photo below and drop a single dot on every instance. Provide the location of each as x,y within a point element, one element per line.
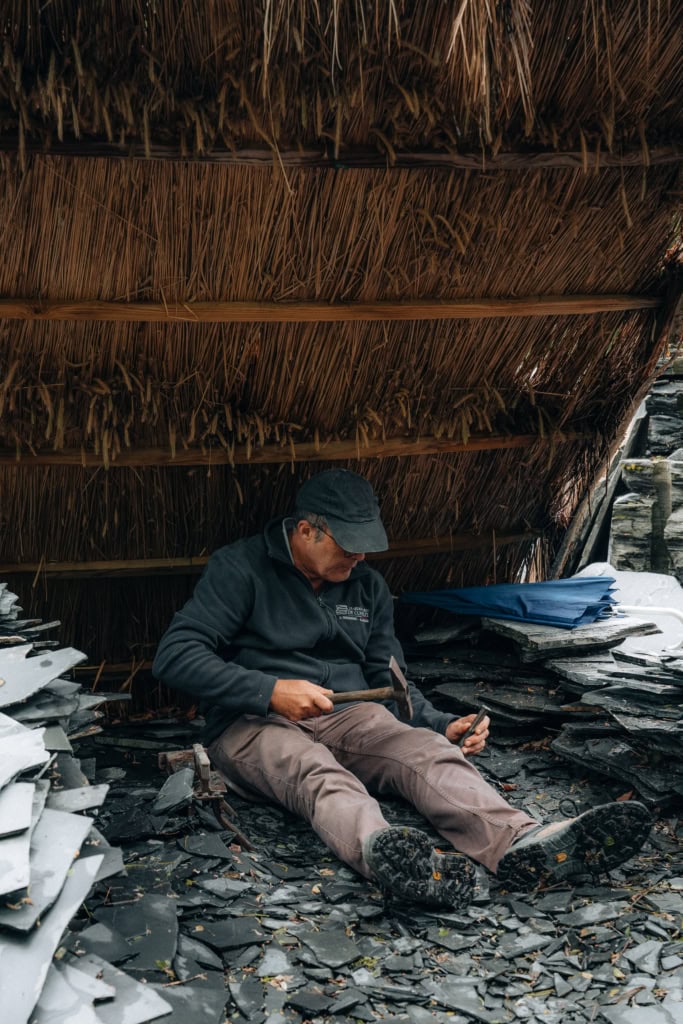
<point>333,451</point>
<point>317,158</point>
<point>191,566</point>
<point>320,312</point>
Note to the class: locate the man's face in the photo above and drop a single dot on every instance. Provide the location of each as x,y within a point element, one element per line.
<point>317,554</point>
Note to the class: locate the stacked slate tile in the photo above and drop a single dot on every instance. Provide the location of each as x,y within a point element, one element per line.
<point>610,709</point>
<point>647,521</point>
<point>633,724</point>
<point>51,852</point>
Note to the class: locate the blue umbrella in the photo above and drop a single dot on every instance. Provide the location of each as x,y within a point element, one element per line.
<point>568,603</point>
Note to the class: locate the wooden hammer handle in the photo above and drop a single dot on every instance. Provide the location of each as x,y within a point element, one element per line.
<point>381,693</point>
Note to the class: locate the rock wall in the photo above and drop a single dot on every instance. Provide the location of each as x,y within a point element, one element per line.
<point>647,522</point>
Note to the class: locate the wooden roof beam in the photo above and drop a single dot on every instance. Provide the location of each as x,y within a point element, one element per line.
<point>320,312</point>
<point>189,566</point>
<point>319,157</point>
<point>307,451</point>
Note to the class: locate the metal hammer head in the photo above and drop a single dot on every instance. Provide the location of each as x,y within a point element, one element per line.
<point>401,692</point>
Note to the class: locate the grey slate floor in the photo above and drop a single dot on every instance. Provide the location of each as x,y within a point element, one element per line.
<point>288,933</point>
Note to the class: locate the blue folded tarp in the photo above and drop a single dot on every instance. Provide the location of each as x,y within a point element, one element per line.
<point>566,603</point>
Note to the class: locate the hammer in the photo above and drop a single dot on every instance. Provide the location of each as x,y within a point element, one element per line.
<point>398,692</point>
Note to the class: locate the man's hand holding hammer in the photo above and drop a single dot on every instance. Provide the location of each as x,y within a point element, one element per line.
<point>297,699</point>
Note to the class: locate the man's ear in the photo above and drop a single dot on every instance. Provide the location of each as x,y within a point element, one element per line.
<point>305,530</point>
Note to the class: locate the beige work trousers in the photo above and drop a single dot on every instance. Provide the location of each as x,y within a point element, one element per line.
<point>326,770</point>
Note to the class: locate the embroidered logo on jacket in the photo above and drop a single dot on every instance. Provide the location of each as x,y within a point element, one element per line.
<point>352,613</point>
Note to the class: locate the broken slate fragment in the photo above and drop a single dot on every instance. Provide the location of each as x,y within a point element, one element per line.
<point>176,792</point>
<point>310,1001</point>
<point>15,808</point>
<point>24,964</point>
<point>150,926</point>
<point>189,947</point>
<point>461,995</point>
<point>232,934</point>
<point>55,739</point>
<point>59,1002</point>
<point>101,941</point>
<point>15,871</point>
<point>593,913</point>
<point>645,956</point>
<point>200,1002</point>
<point>79,799</point>
<point>621,1014</point>
<point>22,676</point>
<point>275,962</point>
<point>112,856</point>
<point>55,843</point>
<point>205,845</point>
<point>90,987</point>
<point>134,1003</point>
<point>20,749</point>
<point>333,948</point>
<point>455,941</point>
<point>247,994</point>
<point>519,945</point>
<point>224,887</point>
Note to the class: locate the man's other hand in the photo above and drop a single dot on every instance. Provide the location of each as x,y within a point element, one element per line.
<point>297,699</point>
<point>475,743</point>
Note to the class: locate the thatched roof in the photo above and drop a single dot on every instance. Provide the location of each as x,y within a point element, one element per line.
<point>242,241</point>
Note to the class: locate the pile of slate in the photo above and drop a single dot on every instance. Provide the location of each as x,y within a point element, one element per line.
<point>51,854</point>
<point>287,934</point>
<point>611,708</point>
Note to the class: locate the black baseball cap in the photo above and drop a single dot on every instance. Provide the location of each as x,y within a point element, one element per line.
<point>348,503</point>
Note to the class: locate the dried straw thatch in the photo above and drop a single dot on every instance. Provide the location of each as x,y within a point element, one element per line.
<point>320,127</point>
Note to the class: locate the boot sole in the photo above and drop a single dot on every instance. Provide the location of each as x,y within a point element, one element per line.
<point>595,842</point>
<point>406,864</point>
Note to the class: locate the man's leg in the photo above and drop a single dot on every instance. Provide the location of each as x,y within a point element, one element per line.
<point>282,761</point>
<point>286,762</point>
<point>434,776</point>
<point>423,767</point>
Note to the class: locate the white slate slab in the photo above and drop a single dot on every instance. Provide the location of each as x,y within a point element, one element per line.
<point>60,1003</point>
<point>15,871</point>
<point>15,808</point>
<point>25,960</point>
<point>21,748</point>
<point>80,799</point>
<point>22,676</point>
<point>55,843</point>
<point>134,1003</point>
<point>90,987</point>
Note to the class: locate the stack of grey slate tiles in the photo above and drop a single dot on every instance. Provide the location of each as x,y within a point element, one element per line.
<point>51,853</point>
<point>609,709</point>
<point>647,521</point>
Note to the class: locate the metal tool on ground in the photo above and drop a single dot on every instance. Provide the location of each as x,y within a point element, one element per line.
<point>399,692</point>
<point>480,716</point>
<point>210,786</point>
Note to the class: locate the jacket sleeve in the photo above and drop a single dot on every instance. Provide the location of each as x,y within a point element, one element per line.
<point>382,643</point>
<point>191,655</point>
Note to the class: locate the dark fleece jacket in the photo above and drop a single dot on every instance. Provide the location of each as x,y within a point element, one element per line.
<point>254,618</point>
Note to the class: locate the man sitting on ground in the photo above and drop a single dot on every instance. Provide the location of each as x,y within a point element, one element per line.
<point>280,621</point>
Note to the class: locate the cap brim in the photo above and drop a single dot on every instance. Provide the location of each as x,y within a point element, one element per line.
<point>359,538</point>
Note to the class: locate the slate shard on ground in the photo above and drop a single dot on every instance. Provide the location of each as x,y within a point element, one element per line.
<point>133,1003</point>
<point>177,791</point>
